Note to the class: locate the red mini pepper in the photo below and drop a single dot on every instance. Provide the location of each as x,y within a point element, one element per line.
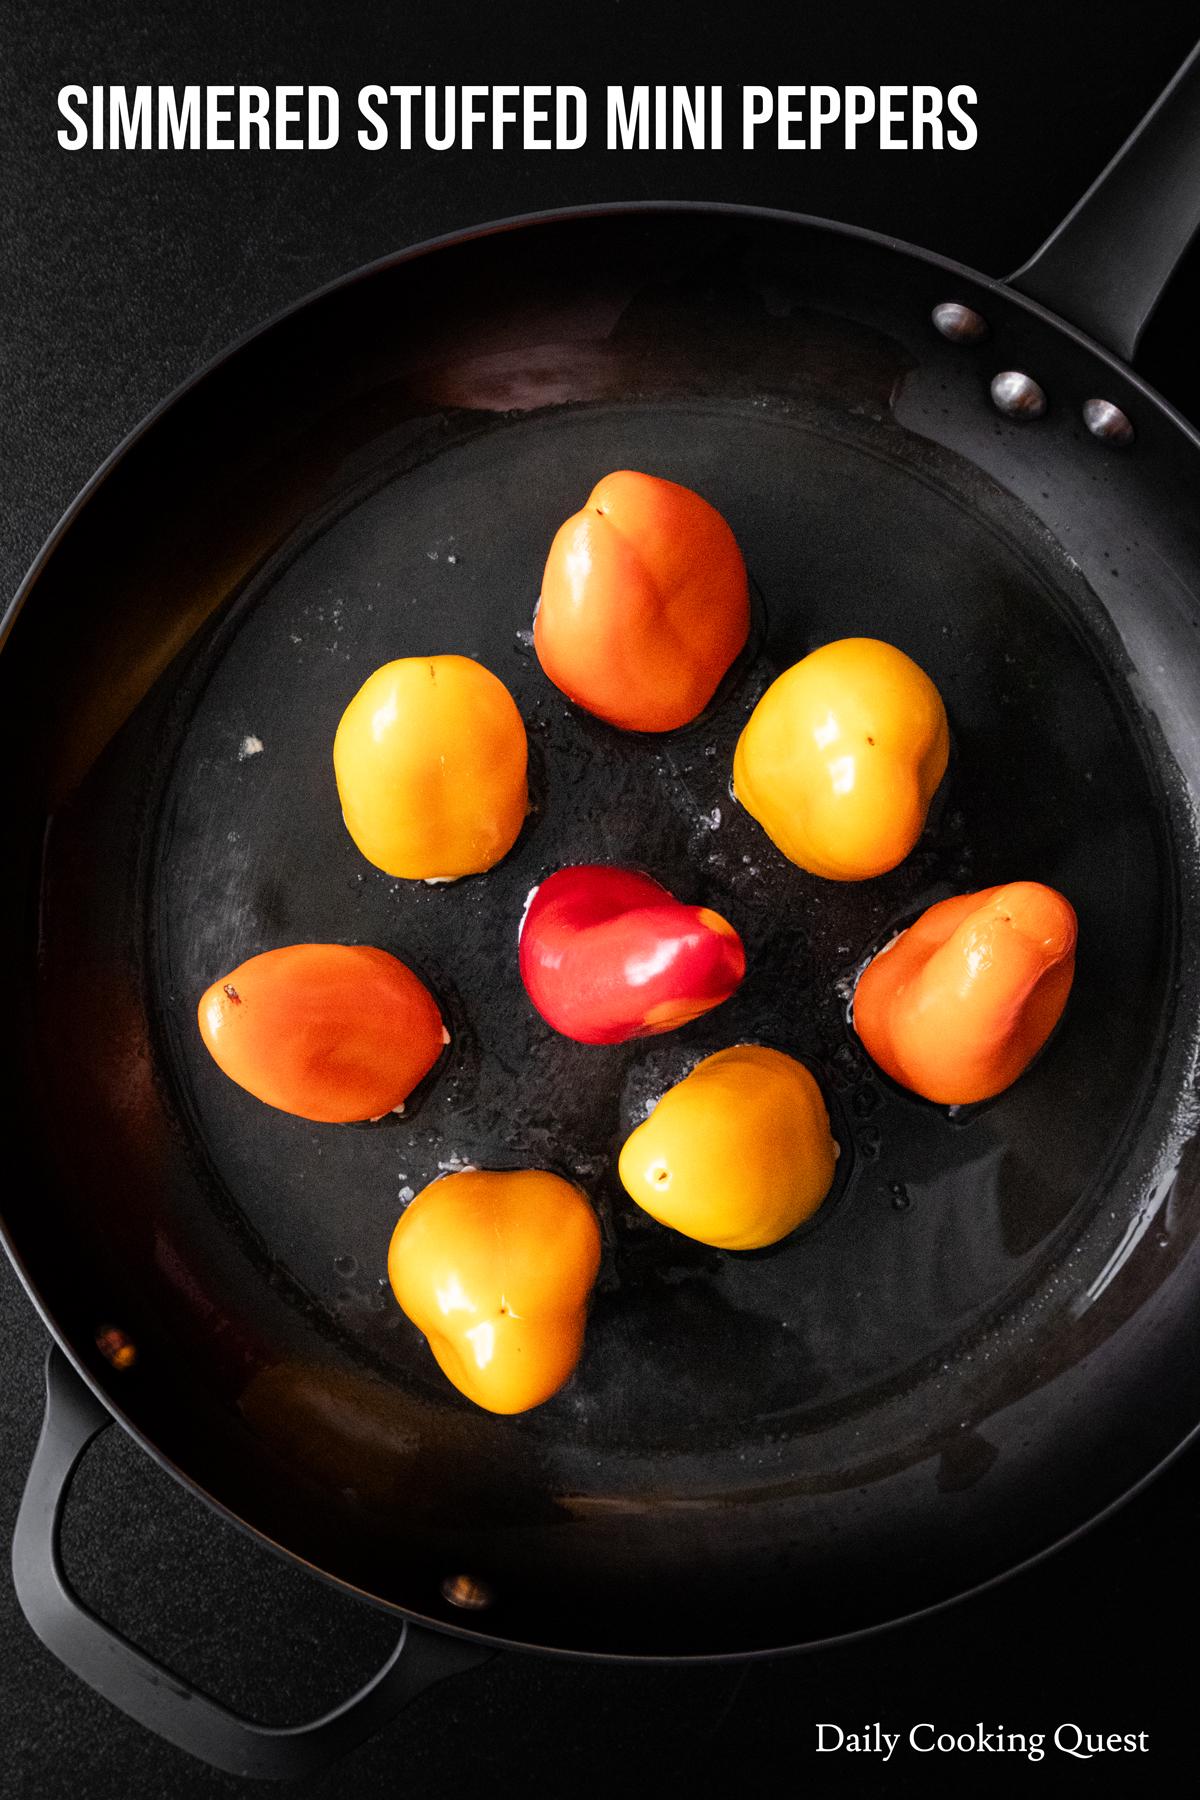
<point>607,954</point>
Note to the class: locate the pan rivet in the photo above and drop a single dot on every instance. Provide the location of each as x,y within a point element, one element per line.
<point>1107,422</point>
<point>1017,396</point>
<point>465,1591</point>
<point>961,324</point>
<point>112,1343</point>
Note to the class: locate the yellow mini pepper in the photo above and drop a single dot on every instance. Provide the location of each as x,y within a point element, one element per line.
<point>737,1154</point>
<point>430,759</point>
<point>841,758</point>
<point>496,1266</point>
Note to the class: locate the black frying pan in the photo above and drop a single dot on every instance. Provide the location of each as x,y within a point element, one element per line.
<point>986,1336</point>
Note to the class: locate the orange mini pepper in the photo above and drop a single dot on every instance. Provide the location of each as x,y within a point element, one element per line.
<point>495,1266</point>
<point>957,1007</point>
<point>645,603</point>
<point>335,1032</point>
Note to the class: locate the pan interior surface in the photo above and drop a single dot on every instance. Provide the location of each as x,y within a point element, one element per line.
<point>938,1217</point>
<point>735,1418</point>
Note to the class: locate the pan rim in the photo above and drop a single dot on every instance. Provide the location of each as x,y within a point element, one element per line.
<point>90,490</point>
<point>561,216</point>
<point>525,1646</point>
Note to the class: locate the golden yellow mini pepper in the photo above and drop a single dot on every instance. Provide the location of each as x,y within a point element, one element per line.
<point>737,1154</point>
<point>430,759</point>
<point>496,1267</point>
<point>840,758</point>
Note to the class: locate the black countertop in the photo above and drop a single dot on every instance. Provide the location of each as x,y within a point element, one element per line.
<point>124,272</point>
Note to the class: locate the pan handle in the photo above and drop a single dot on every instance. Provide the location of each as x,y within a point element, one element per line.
<point>144,1690</point>
<point>1105,267</point>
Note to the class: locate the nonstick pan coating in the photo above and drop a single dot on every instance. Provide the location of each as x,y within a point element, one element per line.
<point>976,1343</point>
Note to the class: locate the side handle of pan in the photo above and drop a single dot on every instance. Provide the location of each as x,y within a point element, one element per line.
<point>1105,267</point>
<point>140,1687</point>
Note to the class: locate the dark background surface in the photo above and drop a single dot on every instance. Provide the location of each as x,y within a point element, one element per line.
<point>121,274</point>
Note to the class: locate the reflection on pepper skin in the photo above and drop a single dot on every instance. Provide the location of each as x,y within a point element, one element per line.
<point>607,954</point>
<point>960,1003</point>
<point>841,757</point>
<point>737,1154</point>
<point>430,759</point>
<point>496,1267</point>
